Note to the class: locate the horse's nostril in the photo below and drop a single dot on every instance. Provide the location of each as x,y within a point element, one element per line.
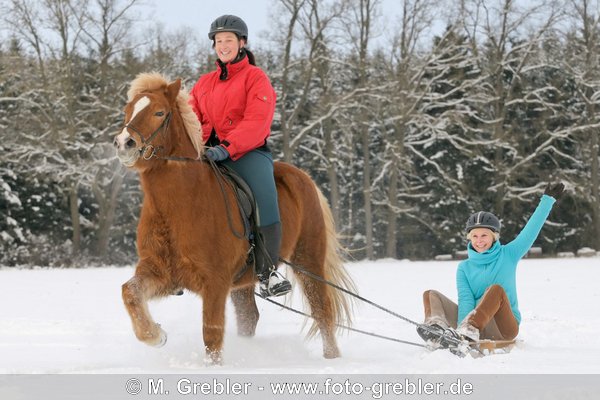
<point>130,143</point>
<point>115,142</point>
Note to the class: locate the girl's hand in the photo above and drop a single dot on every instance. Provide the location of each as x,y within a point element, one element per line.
<point>555,190</point>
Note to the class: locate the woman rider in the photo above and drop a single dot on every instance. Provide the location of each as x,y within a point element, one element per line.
<point>235,105</point>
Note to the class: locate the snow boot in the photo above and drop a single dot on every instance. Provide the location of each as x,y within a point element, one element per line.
<point>468,332</point>
<point>271,282</point>
<point>275,285</point>
<point>438,336</point>
<point>430,333</point>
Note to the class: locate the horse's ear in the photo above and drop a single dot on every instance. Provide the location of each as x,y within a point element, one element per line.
<point>173,90</point>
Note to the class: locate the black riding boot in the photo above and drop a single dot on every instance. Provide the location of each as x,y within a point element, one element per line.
<point>272,283</point>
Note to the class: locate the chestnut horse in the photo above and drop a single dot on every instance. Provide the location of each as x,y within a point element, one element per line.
<point>183,237</point>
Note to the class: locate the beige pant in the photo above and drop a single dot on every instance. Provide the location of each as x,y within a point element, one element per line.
<point>492,316</point>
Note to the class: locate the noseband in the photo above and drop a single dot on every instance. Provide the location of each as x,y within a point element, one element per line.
<point>147,151</point>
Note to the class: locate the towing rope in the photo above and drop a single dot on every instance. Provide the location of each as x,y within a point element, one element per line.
<point>361,298</point>
<point>342,326</point>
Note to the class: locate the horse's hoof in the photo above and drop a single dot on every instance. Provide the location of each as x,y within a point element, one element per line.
<point>247,331</point>
<point>214,357</point>
<point>162,337</point>
<point>331,353</point>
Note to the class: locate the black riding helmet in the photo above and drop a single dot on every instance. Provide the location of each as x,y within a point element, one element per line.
<point>228,23</point>
<point>483,219</point>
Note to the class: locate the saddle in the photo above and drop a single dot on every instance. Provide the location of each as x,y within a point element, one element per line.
<point>244,197</point>
<point>247,206</point>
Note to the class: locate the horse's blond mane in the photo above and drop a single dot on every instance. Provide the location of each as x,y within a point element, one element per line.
<point>153,80</point>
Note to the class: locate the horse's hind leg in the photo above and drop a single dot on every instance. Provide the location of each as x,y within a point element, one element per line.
<point>246,312</point>
<point>321,306</point>
<point>136,292</point>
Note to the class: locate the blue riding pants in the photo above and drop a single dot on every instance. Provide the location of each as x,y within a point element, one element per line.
<point>256,168</point>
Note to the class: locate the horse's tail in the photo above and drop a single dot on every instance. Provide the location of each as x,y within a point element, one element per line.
<point>335,271</point>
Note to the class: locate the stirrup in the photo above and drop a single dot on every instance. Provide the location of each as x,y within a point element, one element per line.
<point>275,285</point>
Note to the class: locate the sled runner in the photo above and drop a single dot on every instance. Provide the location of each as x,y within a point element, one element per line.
<point>477,349</point>
<point>487,347</point>
<point>437,337</point>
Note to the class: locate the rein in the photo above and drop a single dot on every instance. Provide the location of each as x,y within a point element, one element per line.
<point>220,180</point>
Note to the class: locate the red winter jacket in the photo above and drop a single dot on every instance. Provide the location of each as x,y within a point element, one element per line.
<point>240,109</point>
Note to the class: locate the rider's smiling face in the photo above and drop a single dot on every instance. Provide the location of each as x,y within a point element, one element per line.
<point>227,46</point>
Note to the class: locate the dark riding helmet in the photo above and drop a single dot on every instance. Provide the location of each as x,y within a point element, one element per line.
<point>228,23</point>
<point>483,219</point>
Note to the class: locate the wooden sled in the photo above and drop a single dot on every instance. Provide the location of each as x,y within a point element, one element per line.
<point>487,347</point>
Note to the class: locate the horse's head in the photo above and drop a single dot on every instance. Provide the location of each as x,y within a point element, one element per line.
<point>157,118</point>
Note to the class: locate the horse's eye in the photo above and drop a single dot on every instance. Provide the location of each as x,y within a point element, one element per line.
<point>159,113</point>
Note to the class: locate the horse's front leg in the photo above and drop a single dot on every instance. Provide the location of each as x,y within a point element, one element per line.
<point>214,297</point>
<point>136,292</point>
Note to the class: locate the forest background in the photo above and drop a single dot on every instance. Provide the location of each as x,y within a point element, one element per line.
<point>406,128</point>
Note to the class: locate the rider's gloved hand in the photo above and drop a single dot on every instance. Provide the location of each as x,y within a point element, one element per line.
<point>217,153</point>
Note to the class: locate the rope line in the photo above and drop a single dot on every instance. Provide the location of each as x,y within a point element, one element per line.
<point>342,326</point>
<point>317,277</point>
<point>365,300</point>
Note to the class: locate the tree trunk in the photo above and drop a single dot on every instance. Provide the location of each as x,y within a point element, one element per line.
<point>367,194</point>
<point>366,11</point>
<point>595,153</point>
<point>107,214</point>
<point>394,203</point>
<point>392,220</point>
<point>75,221</point>
<point>285,115</point>
<point>499,137</point>
<point>334,194</point>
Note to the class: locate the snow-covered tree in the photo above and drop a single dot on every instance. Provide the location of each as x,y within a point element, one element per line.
<point>580,58</point>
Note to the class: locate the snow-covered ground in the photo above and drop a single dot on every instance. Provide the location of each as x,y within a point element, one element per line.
<point>73,321</point>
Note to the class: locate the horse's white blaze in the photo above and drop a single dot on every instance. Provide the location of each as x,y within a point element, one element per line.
<point>122,138</point>
<point>138,106</point>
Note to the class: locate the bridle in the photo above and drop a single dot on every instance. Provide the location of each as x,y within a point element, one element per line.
<point>148,151</point>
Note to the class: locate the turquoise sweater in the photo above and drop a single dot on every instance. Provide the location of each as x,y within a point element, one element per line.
<point>498,265</point>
